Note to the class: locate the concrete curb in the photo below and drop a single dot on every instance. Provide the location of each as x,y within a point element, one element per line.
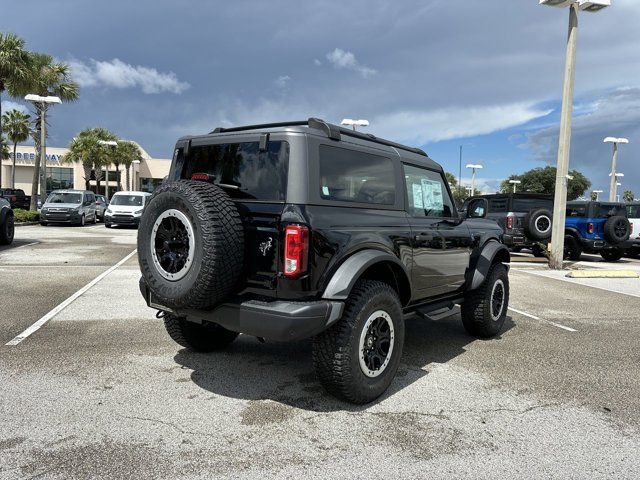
<point>603,274</point>
<point>25,224</point>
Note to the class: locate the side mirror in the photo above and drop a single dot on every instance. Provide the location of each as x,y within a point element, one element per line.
<point>478,208</point>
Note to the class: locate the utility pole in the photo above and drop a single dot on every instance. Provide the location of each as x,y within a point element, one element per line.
<point>564,145</point>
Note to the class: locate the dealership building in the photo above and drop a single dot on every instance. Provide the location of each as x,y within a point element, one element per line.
<point>145,176</point>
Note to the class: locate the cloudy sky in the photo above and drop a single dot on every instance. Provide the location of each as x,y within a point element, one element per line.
<point>438,74</point>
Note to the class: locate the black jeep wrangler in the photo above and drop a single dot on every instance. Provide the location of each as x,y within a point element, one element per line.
<point>526,218</point>
<point>306,229</point>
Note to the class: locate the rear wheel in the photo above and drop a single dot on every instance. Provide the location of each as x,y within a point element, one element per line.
<point>572,249</point>
<point>538,251</point>
<point>207,337</point>
<point>7,230</point>
<point>44,224</point>
<point>81,221</point>
<point>357,358</point>
<point>612,255</point>
<point>485,309</point>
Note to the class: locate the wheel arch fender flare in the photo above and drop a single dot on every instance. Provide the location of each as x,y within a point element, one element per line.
<point>492,252</point>
<point>574,232</point>
<point>345,277</point>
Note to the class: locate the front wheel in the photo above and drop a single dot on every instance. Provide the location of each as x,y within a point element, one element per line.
<point>538,251</point>
<point>484,309</point>
<point>572,249</point>
<point>357,358</point>
<point>7,230</point>
<point>612,255</point>
<point>81,221</point>
<point>207,337</point>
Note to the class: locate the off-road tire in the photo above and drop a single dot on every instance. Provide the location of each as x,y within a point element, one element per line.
<point>617,229</point>
<point>218,250</point>
<point>572,248</point>
<point>336,350</point>
<point>477,310</point>
<point>612,255</point>
<point>537,224</point>
<point>7,230</point>
<point>516,249</point>
<point>44,224</point>
<point>207,337</point>
<point>538,251</point>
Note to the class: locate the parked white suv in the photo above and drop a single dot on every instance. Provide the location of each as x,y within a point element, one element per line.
<point>125,208</point>
<point>633,212</point>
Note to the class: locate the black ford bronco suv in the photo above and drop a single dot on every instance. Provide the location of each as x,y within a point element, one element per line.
<point>525,218</point>
<point>305,229</point>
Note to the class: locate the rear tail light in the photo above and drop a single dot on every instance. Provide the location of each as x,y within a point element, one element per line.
<point>589,227</point>
<point>296,250</point>
<point>200,176</point>
<point>631,228</point>
<point>13,199</point>
<point>509,222</point>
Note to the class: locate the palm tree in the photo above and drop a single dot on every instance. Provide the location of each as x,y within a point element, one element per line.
<point>628,196</point>
<point>16,124</point>
<point>4,149</point>
<point>46,77</point>
<point>86,148</point>
<point>13,68</point>
<point>128,152</point>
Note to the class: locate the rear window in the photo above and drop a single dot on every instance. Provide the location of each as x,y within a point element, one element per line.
<point>528,204</point>
<point>242,169</point>
<point>633,211</point>
<point>498,205</point>
<point>352,176</point>
<point>576,210</point>
<point>610,210</point>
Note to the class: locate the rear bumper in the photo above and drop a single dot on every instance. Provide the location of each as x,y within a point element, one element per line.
<point>279,320</point>
<point>517,240</point>
<point>590,245</point>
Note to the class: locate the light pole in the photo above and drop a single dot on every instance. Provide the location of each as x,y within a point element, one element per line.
<point>473,168</point>
<point>564,142</point>
<point>348,122</point>
<point>41,167</point>
<point>618,184</point>
<point>598,192</point>
<point>514,183</point>
<point>108,143</point>
<point>614,164</point>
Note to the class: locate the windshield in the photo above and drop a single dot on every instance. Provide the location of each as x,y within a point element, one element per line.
<point>127,200</point>
<point>59,197</point>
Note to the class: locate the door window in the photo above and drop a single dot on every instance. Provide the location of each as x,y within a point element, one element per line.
<point>427,194</point>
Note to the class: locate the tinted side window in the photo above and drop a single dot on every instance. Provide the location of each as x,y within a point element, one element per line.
<point>242,169</point>
<point>576,210</point>
<point>351,176</point>
<point>498,205</point>
<point>610,211</point>
<point>427,194</point>
<point>633,211</point>
<point>527,204</point>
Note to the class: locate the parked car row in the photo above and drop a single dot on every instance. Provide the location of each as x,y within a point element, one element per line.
<point>16,197</point>
<point>591,226</point>
<point>78,207</point>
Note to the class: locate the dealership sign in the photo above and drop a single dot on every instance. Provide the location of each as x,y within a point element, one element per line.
<point>30,158</point>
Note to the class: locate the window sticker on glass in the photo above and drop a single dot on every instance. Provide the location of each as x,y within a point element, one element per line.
<point>325,190</point>
<point>417,196</point>
<point>432,195</point>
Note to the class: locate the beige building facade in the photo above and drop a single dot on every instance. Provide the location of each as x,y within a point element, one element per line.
<point>145,176</point>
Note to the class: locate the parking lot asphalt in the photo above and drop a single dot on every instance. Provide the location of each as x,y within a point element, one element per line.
<point>101,391</point>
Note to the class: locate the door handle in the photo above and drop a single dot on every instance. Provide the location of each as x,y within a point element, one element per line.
<point>424,237</point>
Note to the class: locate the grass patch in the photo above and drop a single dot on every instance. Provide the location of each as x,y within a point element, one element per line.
<point>21,216</point>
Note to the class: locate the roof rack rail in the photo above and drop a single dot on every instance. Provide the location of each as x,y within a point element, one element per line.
<point>333,132</point>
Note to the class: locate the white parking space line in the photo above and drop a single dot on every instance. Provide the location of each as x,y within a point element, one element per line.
<point>27,245</point>
<point>525,314</point>
<point>37,325</point>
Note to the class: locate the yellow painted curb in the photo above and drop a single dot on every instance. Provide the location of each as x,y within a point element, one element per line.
<point>603,274</point>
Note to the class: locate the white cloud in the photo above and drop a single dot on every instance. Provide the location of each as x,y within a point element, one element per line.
<point>346,60</point>
<point>9,105</point>
<point>421,127</point>
<point>283,81</point>
<point>118,74</point>
<point>317,62</point>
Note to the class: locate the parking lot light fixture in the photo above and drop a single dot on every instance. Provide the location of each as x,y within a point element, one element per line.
<point>614,163</point>
<point>113,144</point>
<point>556,256</point>
<point>41,168</point>
<point>515,183</point>
<point>473,168</point>
<point>348,122</point>
<point>597,192</point>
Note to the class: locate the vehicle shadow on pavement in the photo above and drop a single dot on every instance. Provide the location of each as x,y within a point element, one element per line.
<point>17,243</point>
<point>283,372</point>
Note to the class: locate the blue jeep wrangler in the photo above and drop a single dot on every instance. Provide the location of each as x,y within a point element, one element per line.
<point>596,227</point>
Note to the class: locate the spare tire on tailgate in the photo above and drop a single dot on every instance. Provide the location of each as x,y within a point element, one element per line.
<point>537,224</point>
<point>617,229</point>
<point>190,245</point>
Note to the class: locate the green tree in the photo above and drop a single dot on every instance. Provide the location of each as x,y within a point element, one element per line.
<point>628,196</point>
<point>17,126</point>
<point>128,152</point>
<point>4,149</point>
<point>593,196</point>
<point>460,194</point>
<point>86,149</point>
<point>543,180</point>
<point>13,69</point>
<point>451,179</point>
<point>46,77</point>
